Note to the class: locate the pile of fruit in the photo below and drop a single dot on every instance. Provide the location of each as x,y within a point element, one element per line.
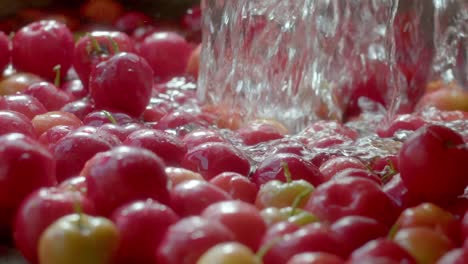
<point>106,156</point>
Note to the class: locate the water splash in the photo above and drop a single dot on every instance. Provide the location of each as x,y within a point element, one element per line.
<point>299,61</point>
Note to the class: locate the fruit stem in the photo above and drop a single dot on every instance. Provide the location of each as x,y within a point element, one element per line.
<point>58,77</point>
<point>115,46</point>
<point>299,199</point>
<point>390,171</point>
<point>287,172</point>
<point>110,117</point>
<point>79,210</point>
<point>393,231</point>
<point>265,248</point>
<point>95,44</point>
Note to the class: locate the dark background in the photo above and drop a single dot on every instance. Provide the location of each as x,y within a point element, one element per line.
<point>155,8</point>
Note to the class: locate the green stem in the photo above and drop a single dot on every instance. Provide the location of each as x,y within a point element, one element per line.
<point>110,117</point>
<point>95,44</point>
<point>287,172</point>
<point>393,231</point>
<point>265,248</point>
<point>58,76</point>
<point>79,210</point>
<point>299,199</point>
<point>115,46</point>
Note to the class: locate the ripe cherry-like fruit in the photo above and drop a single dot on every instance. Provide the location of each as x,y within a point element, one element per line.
<point>128,174</point>
<point>236,185</point>
<point>352,196</point>
<point>381,248</point>
<point>213,158</point>
<point>40,46</point>
<point>96,47</point>
<point>167,53</point>
<point>39,210</point>
<point>170,148</point>
<point>49,95</point>
<point>187,240</point>
<point>243,219</point>
<point>433,162</point>
<point>14,122</point>
<point>122,83</point>
<point>26,166</point>
<point>141,225</point>
<point>24,104</point>
<point>74,150</point>
<point>185,197</point>
<point>272,168</point>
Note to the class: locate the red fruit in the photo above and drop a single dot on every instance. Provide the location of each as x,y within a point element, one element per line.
<point>408,122</point>
<point>25,104</point>
<point>277,231</point>
<point>355,231</point>
<point>361,173</point>
<point>132,20</point>
<point>122,83</point>
<point>185,197</point>
<point>431,216</point>
<point>96,47</point>
<point>243,219</point>
<point>167,53</point>
<point>433,162</point>
<point>315,258</point>
<point>193,63</point>
<point>189,238</point>
<point>17,83</point>
<point>238,186</point>
<point>74,150</point>
<point>351,196</point>
<point>74,88</point>
<point>424,244</point>
<point>40,46</point>
<point>259,131</point>
<point>179,175</point>
<point>48,120</point>
<point>14,122</point>
<point>39,210</point>
<point>80,108</point>
<point>124,174</point>
<point>381,248</point>
<point>141,225</point>
<point>288,145</point>
<point>200,136</point>
<point>314,237</point>
<point>454,256</point>
<point>179,120</point>
<point>272,168</point>
<point>54,134</point>
<point>99,118</point>
<point>170,148</point>
<point>51,98</point>
<point>121,132</point>
<point>5,53</point>
<point>213,158</point>
<point>26,166</point>
<point>77,184</point>
<point>334,165</point>
<point>397,190</point>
